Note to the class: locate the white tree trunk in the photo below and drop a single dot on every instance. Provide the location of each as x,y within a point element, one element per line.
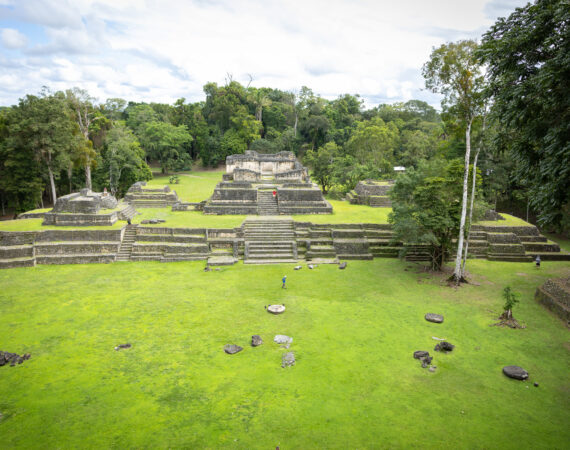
<point>457,273</point>
<point>296,121</point>
<point>88,175</point>
<point>52,185</point>
<point>471,208</point>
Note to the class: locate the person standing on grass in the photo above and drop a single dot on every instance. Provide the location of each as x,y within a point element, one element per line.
<point>284,280</point>
<point>537,261</point>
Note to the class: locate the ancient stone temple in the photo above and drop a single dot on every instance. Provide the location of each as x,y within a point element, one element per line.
<point>87,208</point>
<point>372,193</point>
<point>251,180</point>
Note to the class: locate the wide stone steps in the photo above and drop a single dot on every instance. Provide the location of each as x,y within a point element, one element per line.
<point>78,248</point>
<point>84,258</point>
<point>16,251</point>
<point>10,263</point>
<point>561,256</point>
<point>541,247</point>
<point>321,251</point>
<point>180,238</point>
<point>509,258</point>
<point>149,204</point>
<point>269,241</point>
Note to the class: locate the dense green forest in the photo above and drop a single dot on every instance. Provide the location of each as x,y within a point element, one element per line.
<point>507,97</point>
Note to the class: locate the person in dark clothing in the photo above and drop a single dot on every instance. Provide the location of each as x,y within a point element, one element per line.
<point>537,261</point>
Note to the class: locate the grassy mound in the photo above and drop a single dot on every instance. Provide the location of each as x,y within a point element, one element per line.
<point>355,383</point>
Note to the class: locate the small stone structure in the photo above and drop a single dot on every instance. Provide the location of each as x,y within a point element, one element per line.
<point>87,208</point>
<point>141,196</point>
<point>555,295</point>
<point>251,179</point>
<point>372,193</point>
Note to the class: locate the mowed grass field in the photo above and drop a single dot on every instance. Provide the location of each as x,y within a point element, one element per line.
<point>355,383</point>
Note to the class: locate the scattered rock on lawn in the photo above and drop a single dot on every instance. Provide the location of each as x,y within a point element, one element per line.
<point>256,340</point>
<point>444,346</point>
<point>424,357</point>
<point>342,266</point>
<point>432,369</point>
<point>420,354</point>
<point>282,339</point>
<point>535,384</point>
<point>298,267</point>
<point>288,360</point>
<point>276,309</point>
<point>122,346</point>
<point>516,372</point>
<point>310,266</point>
<point>12,358</point>
<point>435,318</point>
<point>231,349</point>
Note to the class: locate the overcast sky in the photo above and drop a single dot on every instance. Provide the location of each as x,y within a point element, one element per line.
<point>161,50</point>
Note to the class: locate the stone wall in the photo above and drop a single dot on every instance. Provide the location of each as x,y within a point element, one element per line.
<point>259,162</point>
<point>246,175</point>
<point>80,220</point>
<point>555,295</point>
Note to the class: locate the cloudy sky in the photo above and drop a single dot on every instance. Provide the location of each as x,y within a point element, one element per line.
<point>161,50</point>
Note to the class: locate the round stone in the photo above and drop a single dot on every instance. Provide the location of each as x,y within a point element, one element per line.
<point>435,318</point>
<point>516,372</point>
<point>276,309</point>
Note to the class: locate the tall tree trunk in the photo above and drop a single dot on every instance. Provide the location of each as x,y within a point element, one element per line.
<point>457,273</point>
<point>296,121</point>
<point>52,185</point>
<point>88,175</point>
<point>471,208</point>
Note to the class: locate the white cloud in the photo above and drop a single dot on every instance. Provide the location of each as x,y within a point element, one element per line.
<point>13,39</point>
<point>160,50</point>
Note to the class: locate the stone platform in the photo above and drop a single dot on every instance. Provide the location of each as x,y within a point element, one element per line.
<point>250,180</point>
<point>140,196</point>
<point>88,208</point>
<point>372,193</point>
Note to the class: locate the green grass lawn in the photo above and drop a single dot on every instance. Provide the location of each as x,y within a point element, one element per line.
<point>510,221</point>
<point>355,383</point>
<point>344,212</point>
<point>187,219</point>
<point>36,225</point>
<point>193,186</point>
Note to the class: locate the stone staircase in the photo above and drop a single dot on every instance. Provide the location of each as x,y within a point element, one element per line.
<point>269,241</point>
<point>126,248</point>
<point>128,212</point>
<point>266,203</point>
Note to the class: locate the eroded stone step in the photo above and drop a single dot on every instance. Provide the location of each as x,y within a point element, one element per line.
<point>271,261</point>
